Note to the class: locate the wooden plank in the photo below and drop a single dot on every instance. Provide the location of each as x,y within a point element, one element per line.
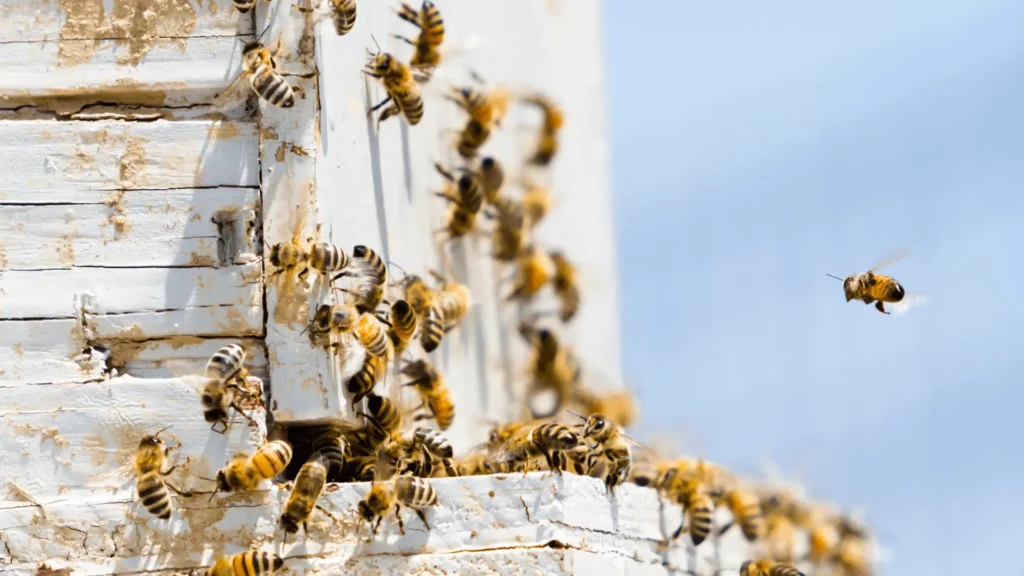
<point>51,21</point>
<point>47,351</point>
<point>187,355</point>
<point>132,229</point>
<point>208,321</point>
<point>51,293</point>
<point>70,162</point>
<point>62,443</point>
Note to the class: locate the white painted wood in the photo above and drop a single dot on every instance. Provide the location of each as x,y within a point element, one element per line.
<point>44,351</point>
<point>84,162</point>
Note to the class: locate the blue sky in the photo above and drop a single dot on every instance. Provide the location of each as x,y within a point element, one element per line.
<point>758,145</point>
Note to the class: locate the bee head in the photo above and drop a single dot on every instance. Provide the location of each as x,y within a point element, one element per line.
<point>360,251</point>
<point>745,568</point>
<point>597,427</point>
<point>849,288</point>
<point>364,511</point>
<point>289,524</point>
<point>222,482</point>
<point>150,441</point>
<point>215,415</point>
<point>896,292</point>
<point>401,308</point>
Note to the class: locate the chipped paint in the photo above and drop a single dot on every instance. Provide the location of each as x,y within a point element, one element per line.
<point>140,24</point>
<point>77,42</point>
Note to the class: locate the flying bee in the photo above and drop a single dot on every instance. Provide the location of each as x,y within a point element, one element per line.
<point>881,289</point>
<point>251,563</point>
<point>767,568</point>
<point>402,90</point>
<point>471,138</point>
<point>432,390</point>
<point>403,326</point>
<point>492,177</point>
<point>418,293</point>
<point>552,366</point>
<point>547,141</point>
<point>510,233</point>
<point>467,199</point>
<point>486,111</point>
<point>746,511</point>
<point>330,444</point>
<point>537,202</point>
<point>611,444</point>
<point>384,413</point>
<point>344,16</point>
<point>427,55</point>
<point>437,445</point>
<point>261,74</point>
<point>454,300</point>
<point>566,286</point>
<point>374,273</point>
<point>416,493</point>
<point>150,458</point>
<point>372,335</point>
<point>432,328</point>
<point>244,472</point>
<point>362,382</point>
<point>534,269</point>
<point>698,505</point>
<point>226,377</point>
<point>309,484</point>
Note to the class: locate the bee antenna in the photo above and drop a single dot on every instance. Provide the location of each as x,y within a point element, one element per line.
<point>836,277</point>
<point>374,38</point>
<point>264,32</point>
<point>582,417</point>
<point>392,264</point>
<point>161,430</point>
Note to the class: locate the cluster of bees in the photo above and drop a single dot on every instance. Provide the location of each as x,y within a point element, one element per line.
<point>399,459</point>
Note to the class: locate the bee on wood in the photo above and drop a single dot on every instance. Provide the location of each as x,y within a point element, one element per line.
<point>244,472</point>
<point>870,287</point>
<point>262,75</point>
<point>435,394</point>
<point>746,511</point>
<point>251,563</point>
<point>427,55</point>
<point>610,443</point>
<point>402,89</point>
<point>767,568</point>
<point>416,493</point>
<point>226,379</point>
<point>547,439</point>
<point>309,484</point>
<point>150,459</point>
<point>437,445</point>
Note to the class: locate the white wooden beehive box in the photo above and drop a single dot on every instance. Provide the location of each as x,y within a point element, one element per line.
<point>132,214</point>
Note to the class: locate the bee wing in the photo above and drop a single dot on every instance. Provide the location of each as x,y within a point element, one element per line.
<point>115,477</point>
<point>234,95</point>
<point>910,300</point>
<point>889,261</point>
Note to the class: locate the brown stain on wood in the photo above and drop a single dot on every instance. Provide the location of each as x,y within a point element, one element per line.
<point>77,42</point>
<point>141,24</point>
<point>66,250</point>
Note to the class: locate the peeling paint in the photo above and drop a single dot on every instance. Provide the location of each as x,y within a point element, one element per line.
<point>140,24</point>
<point>77,43</point>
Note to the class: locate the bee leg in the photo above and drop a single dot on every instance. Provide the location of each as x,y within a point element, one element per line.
<point>379,106</point>
<point>880,307</point>
<point>725,528</point>
<point>423,516</point>
<point>449,469</point>
<point>240,411</point>
<point>388,113</point>
<point>679,531</point>
<point>398,516</point>
<point>185,493</point>
<point>376,526</point>
<point>221,431</point>
<point>404,39</point>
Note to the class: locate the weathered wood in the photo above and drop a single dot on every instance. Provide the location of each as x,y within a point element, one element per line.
<point>45,351</point>
<point>132,229</point>
<point>182,355</point>
<point>76,162</point>
<point>63,443</point>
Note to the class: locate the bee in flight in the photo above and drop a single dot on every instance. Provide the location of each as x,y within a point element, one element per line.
<point>881,289</point>
<point>402,89</point>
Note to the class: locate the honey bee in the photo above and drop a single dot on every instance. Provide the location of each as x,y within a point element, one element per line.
<point>330,319</point>
<point>610,444</point>
<point>435,394</point>
<point>261,74</point>
<point>881,289</point>
<point>509,235</point>
<point>403,326</point>
<point>768,568</point>
<point>330,445</point>
<point>402,90</point>
<point>416,493</point>
<point>427,55</point>
<point>244,472</point>
<point>226,376</point>
<point>297,257</point>
<point>542,439</point>
<point>537,202</point>
<point>436,444</point>
<point>693,495</point>
<point>344,16</point>
<point>360,468</point>
<point>471,465</point>
<point>372,335</point>
<point>362,382</point>
<point>486,111</point>
<point>471,138</point>
<point>432,328</point>
<point>251,563</point>
<point>547,143</point>
<point>566,286</point>
<point>492,177</point>
<point>454,300</point>
<point>308,486</point>
<point>418,294</point>
<point>369,265</point>
<point>384,413</point>
<point>466,201</point>
<point>150,485</point>
<point>534,269</point>
<point>746,511</point>
<point>552,366</point>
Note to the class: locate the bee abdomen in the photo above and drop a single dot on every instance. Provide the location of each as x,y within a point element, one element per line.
<point>473,136</point>
<point>363,381</point>
<point>344,16</point>
<point>374,261</point>
<point>385,411</point>
<point>783,570</point>
<point>326,257</point>
<point>556,437</point>
<point>435,441</point>
<point>244,6</point>
<point>412,107</point>
<point>255,563</point>
<point>700,513</point>
<point>432,328</point>
<point>330,447</point>
<point>415,492</point>
<point>154,495</point>
<point>433,24</point>
<point>272,87</point>
<point>444,410</point>
<point>271,458</point>
<point>225,362</point>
